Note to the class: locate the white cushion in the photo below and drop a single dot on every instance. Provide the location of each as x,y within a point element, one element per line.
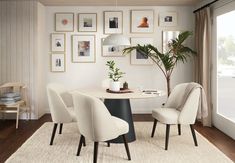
<point>122,125</point>
<point>166,115</point>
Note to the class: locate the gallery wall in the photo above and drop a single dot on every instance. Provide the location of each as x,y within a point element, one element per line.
<point>91,75</point>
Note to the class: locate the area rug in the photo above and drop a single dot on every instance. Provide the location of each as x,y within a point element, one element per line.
<point>144,150</point>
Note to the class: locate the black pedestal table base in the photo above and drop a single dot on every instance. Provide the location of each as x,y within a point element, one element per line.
<point>121,108</point>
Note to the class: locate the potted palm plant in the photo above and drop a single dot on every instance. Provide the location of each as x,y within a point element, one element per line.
<point>114,74</point>
<point>167,61</point>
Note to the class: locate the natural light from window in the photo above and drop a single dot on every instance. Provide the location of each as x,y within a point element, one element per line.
<point>226,65</point>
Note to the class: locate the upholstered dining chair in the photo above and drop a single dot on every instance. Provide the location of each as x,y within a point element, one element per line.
<point>60,112</point>
<point>171,115</point>
<point>96,123</point>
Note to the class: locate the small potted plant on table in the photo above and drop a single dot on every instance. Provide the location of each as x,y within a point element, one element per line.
<point>114,74</point>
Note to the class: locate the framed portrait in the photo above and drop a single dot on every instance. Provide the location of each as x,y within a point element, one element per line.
<point>142,21</point>
<point>113,22</point>
<point>64,22</point>
<point>83,48</point>
<point>57,62</point>
<point>166,37</point>
<point>87,22</point>
<point>137,58</point>
<point>168,19</point>
<point>58,42</point>
<point>112,51</point>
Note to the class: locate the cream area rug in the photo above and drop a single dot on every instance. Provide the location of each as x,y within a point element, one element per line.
<point>144,150</point>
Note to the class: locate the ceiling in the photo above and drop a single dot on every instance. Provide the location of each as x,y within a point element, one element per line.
<point>120,2</point>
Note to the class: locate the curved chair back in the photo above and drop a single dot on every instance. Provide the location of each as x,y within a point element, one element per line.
<point>57,106</point>
<point>189,110</point>
<point>93,119</point>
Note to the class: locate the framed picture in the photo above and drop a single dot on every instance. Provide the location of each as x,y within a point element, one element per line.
<point>58,42</point>
<point>136,57</point>
<point>87,22</point>
<point>113,22</point>
<point>166,37</point>
<point>57,62</point>
<point>64,22</point>
<point>83,48</point>
<point>142,21</point>
<point>112,51</point>
<point>168,19</point>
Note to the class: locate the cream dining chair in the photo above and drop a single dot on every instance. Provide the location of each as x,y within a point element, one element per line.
<point>96,123</point>
<point>169,114</point>
<point>61,107</point>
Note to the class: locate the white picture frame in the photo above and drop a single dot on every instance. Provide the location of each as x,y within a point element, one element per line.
<point>58,43</point>
<point>57,62</point>
<point>166,37</point>
<point>111,51</point>
<point>136,57</point>
<point>83,48</point>
<point>142,21</point>
<point>87,22</point>
<point>64,22</point>
<point>167,19</point>
<point>113,22</point>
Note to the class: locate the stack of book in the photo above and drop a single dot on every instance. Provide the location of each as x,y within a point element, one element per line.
<point>10,97</point>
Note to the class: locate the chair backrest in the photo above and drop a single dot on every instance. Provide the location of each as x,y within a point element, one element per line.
<point>93,119</point>
<point>57,106</point>
<point>189,109</point>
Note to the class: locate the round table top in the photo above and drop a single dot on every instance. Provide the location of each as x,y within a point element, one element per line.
<point>101,93</point>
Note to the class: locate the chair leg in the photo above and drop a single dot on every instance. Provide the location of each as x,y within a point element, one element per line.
<point>53,133</point>
<point>126,146</point>
<point>179,129</point>
<point>17,116</point>
<point>82,139</point>
<point>194,135</point>
<point>108,144</point>
<point>167,136</point>
<point>61,127</point>
<point>96,144</point>
<point>154,127</point>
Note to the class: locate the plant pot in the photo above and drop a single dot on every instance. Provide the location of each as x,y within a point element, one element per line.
<point>114,86</point>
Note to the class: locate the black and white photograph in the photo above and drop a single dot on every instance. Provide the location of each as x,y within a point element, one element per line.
<point>57,42</point>
<point>57,62</point>
<point>113,22</point>
<point>136,57</point>
<point>87,22</point>
<point>83,48</point>
<point>112,51</point>
<point>167,19</point>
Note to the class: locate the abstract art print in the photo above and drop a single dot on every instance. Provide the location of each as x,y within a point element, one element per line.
<point>137,58</point>
<point>87,22</point>
<point>142,21</point>
<point>57,62</point>
<point>64,22</point>
<point>83,48</point>
<point>57,42</point>
<point>168,19</point>
<point>113,22</point>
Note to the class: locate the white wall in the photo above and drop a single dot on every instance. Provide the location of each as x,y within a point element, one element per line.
<point>89,75</point>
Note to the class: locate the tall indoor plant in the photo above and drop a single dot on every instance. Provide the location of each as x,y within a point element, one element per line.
<point>114,74</point>
<point>177,52</point>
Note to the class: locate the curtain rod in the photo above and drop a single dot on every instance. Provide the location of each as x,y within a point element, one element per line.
<point>206,5</point>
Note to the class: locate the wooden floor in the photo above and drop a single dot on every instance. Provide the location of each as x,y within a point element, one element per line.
<point>11,139</point>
